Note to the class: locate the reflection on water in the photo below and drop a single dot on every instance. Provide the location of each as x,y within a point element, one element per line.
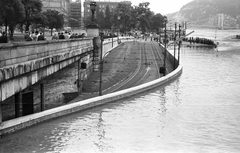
<point>198,112</point>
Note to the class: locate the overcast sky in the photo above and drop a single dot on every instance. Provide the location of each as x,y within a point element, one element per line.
<point>163,6</point>
<point>159,6</point>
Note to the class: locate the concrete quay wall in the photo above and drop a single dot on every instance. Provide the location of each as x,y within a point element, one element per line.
<point>34,75</point>
<point>24,64</point>
<point>26,121</point>
<point>18,53</point>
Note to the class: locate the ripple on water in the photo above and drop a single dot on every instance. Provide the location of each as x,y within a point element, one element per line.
<point>196,113</point>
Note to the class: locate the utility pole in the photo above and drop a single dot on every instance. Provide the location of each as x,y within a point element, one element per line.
<point>112,34</point>
<point>175,37</point>
<point>179,44</point>
<point>118,20</point>
<point>101,65</point>
<point>165,46</point>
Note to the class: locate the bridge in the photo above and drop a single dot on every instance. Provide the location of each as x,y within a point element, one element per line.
<point>220,21</point>
<point>24,64</point>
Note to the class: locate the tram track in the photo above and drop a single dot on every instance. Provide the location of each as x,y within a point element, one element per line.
<point>158,58</point>
<point>148,65</point>
<point>131,80</point>
<point>147,58</point>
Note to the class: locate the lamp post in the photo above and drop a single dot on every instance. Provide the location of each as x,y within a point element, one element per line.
<point>165,45</point>
<point>92,28</point>
<point>101,65</point>
<point>142,17</point>
<point>122,15</point>
<point>118,18</point>
<point>112,33</point>
<point>175,37</point>
<point>93,8</point>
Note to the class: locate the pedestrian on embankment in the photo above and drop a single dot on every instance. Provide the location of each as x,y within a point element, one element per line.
<point>3,38</point>
<point>61,36</point>
<point>55,36</point>
<point>41,37</point>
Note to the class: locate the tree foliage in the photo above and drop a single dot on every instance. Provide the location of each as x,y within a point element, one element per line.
<point>11,12</point>
<point>107,19</point>
<point>129,18</point>
<point>53,19</point>
<point>33,10</point>
<point>100,18</point>
<point>157,22</point>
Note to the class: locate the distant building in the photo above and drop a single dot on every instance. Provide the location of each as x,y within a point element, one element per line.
<point>102,6</point>
<point>75,14</point>
<point>62,6</point>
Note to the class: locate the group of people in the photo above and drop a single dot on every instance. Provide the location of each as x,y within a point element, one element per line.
<point>198,40</point>
<point>66,35</point>
<point>34,36</point>
<point>39,36</point>
<point>3,37</point>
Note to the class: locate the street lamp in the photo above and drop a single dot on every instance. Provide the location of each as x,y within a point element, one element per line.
<point>101,64</point>
<point>92,27</point>
<point>118,18</point>
<point>175,38</point>
<point>112,33</point>
<point>123,17</point>
<point>142,23</point>
<point>93,8</point>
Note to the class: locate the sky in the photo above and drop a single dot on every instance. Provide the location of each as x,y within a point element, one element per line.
<point>163,6</point>
<point>159,6</point>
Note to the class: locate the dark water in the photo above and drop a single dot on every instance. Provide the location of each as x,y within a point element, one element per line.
<point>197,113</point>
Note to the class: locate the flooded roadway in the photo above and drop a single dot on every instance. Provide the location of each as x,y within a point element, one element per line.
<point>197,113</point>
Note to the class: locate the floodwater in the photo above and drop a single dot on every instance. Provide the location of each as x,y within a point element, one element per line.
<point>197,113</point>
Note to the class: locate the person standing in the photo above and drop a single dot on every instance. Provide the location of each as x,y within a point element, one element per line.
<point>3,38</point>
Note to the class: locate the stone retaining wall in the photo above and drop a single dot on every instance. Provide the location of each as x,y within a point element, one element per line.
<point>25,121</point>
<point>24,64</point>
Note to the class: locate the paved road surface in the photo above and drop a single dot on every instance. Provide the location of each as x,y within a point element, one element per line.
<point>129,65</point>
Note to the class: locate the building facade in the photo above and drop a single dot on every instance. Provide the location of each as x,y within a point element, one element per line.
<point>75,14</point>
<point>101,4</point>
<point>61,6</point>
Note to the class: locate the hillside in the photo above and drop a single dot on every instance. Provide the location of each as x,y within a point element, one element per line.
<point>206,11</point>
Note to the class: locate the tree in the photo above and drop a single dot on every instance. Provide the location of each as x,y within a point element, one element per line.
<point>157,22</point>
<point>41,22</point>
<point>87,20</point>
<point>144,16</point>
<point>108,16</point>
<point>53,19</point>
<point>124,11</point>
<point>11,13</point>
<point>101,20</point>
<point>33,10</point>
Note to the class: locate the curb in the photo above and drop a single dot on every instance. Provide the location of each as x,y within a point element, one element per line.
<point>13,125</point>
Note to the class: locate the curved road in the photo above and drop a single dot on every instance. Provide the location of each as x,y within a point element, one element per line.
<point>150,59</point>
